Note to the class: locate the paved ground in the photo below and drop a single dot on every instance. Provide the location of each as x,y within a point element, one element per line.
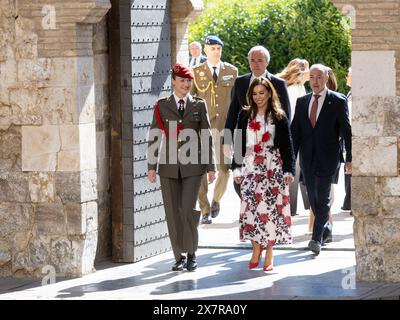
<point>223,272</point>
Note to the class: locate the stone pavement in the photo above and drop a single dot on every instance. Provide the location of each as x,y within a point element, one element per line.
<point>223,273</point>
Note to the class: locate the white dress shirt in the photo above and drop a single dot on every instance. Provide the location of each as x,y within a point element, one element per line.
<point>295,91</point>
<point>177,100</point>
<point>211,67</point>
<point>195,61</point>
<point>264,75</point>
<point>320,102</point>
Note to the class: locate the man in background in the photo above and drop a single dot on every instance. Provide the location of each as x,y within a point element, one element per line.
<point>259,59</point>
<point>196,56</point>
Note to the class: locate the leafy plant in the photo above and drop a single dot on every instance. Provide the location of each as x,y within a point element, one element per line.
<point>311,29</point>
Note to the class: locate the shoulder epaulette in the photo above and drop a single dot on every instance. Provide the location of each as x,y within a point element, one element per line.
<point>227,64</point>
<point>163,98</point>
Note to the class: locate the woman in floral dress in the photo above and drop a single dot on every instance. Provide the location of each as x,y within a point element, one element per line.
<point>264,166</point>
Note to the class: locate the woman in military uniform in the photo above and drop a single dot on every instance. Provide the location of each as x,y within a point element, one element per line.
<point>182,154</point>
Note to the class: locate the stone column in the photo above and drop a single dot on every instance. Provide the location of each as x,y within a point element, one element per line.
<point>182,12</point>
<point>376,131</point>
<point>48,178</point>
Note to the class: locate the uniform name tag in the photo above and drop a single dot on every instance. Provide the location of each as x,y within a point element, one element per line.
<point>227,78</point>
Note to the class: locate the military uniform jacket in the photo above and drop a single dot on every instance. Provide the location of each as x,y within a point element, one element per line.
<point>217,95</point>
<point>167,149</point>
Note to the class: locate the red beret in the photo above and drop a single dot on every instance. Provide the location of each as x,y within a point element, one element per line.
<point>181,71</point>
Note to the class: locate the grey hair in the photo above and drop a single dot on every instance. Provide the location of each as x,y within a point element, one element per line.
<point>197,44</point>
<point>261,49</point>
<point>321,67</point>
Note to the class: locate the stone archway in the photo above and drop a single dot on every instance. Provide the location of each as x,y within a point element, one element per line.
<point>49,207</point>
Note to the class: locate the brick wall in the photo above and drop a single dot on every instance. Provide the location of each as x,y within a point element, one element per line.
<point>377,27</point>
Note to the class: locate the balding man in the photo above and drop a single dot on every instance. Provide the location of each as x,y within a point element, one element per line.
<point>320,119</point>
<point>196,57</point>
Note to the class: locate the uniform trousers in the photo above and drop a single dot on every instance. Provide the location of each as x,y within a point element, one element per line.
<point>221,184</point>
<point>180,196</point>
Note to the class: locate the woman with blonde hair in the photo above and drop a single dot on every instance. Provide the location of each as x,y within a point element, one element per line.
<point>332,82</point>
<point>296,74</point>
<point>263,165</point>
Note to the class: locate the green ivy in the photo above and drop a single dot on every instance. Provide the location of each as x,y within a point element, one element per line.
<point>310,29</point>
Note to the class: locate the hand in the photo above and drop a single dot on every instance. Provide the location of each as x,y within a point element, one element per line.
<point>347,168</point>
<point>211,176</point>
<point>151,176</point>
<point>288,179</point>
<point>227,149</point>
<point>238,180</point>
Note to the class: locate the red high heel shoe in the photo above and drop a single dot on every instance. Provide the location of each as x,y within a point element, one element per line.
<point>270,266</point>
<point>253,265</point>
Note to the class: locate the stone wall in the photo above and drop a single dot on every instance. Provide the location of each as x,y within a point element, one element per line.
<point>376,131</point>
<point>53,109</point>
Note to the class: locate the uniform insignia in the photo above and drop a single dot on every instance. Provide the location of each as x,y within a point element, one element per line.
<point>201,74</point>
<point>176,69</point>
<point>227,78</point>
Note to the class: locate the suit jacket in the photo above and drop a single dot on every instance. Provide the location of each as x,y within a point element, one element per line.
<point>282,141</point>
<point>217,95</point>
<point>239,92</point>
<point>198,146</point>
<point>319,147</point>
<point>202,59</point>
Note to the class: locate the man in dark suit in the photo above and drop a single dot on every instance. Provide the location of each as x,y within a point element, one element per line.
<point>259,59</point>
<point>196,57</point>
<point>320,119</point>
<point>347,177</point>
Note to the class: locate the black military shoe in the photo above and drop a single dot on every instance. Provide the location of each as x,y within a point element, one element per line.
<point>191,262</point>
<point>206,219</point>
<point>327,239</point>
<point>180,264</point>
<point>314,246</point>
<point>214,209</point>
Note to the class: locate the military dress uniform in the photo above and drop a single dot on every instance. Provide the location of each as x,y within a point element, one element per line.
<point>180,182</point>
<point>217,95</point>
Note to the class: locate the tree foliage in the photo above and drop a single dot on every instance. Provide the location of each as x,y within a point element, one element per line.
<point>311,29</point>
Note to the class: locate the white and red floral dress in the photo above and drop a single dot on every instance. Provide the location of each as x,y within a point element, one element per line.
<point>265,209</point>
